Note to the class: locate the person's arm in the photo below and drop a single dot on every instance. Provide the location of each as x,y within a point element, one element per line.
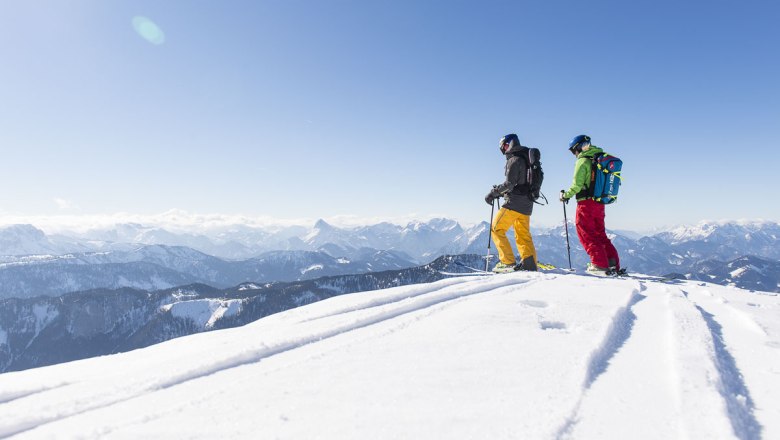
<point>581,177</point>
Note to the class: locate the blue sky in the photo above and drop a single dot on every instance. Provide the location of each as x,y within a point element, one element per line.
<point>308,109</point>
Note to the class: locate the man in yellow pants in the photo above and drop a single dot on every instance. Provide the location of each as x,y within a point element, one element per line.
<point>516,210</point>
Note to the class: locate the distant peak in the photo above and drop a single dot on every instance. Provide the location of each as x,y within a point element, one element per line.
<point>26,229</point>
<point>322,224</point>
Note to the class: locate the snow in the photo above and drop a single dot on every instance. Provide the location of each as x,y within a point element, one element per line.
<point>705,228</point>
<point>43,316</point>
<point>736,273</point>
<point>180,294</point>
<point>311,268</point>
<point>523,355</point>
<point>204,312</point>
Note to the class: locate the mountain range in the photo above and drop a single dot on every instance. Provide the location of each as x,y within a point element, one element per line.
<point>154,267</point>
<point>147,258</point>
<point>420,240</point>
<point>47,330</point>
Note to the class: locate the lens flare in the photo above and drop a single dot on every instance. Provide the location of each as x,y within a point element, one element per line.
<point>148,30</point>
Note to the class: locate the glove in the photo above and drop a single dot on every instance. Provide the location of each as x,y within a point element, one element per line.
<point>490,198</point>
<point>492,195</point>
<point>562,198</point>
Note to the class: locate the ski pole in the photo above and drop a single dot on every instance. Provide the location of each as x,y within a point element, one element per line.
<point>566,225</point>
<point>490,228</point>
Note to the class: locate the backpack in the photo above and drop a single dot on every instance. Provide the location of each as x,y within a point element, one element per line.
<point>605,178</point>
<point>535,175</point>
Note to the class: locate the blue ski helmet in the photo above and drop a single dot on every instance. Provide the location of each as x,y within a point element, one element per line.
<point>578,143</point>
<point>510,140</point>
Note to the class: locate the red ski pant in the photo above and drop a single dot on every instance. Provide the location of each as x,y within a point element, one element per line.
<point>593,236</point>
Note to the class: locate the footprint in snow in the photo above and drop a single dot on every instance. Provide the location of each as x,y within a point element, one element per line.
<point>534,303</point>
<point>552,325</point>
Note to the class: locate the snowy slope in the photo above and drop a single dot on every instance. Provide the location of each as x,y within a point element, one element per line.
<point>543,355</point>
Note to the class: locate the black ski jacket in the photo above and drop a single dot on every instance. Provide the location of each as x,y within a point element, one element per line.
<point>514,188</point>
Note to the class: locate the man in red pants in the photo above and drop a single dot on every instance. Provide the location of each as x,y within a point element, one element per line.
<point>590,213</point>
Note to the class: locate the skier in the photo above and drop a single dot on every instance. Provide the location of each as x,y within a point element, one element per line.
<point>516,211</point>
<point>589,218</point>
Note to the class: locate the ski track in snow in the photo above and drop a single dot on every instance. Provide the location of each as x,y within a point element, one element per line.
<point>670,345</point>
<point>431,308</point>
<point>11,396</point>
<point>735,393</point>
<point>427,297</point>
<point>729,382</point>
<point>404,306</point>
<point>617,335</point>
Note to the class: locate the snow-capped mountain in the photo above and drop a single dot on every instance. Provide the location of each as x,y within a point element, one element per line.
<point>323,250</point>
<point>41,331</point>
<point>424,240</point>
<point>745,272</point>
<point>234,243</point>
<point>420,240</point>
<point>471,240</point>
<point>725,240</point>
<point>324,234</point>
<point>29,240</point>
<point>524,355</point>
<point>160,267</point>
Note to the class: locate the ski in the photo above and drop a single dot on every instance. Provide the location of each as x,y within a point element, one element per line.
<point>622,272</point>
<point>513,269</point>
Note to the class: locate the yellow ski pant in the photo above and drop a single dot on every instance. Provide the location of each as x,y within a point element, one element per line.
<point>505,219</point>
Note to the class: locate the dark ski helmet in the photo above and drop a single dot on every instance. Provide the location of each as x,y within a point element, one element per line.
<point>578,143</point>
<point>507,142</point>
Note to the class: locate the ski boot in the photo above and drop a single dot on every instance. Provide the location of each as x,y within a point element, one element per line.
<point>597,270</point>
<point>504,268</point>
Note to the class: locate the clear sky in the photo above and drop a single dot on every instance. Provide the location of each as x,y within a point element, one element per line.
<point>320,108</point>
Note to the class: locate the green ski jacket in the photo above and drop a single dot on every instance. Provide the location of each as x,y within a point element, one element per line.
<point>582,173</point>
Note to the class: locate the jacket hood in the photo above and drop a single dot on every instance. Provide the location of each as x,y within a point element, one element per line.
<point>590,152</point>
<point>516,148</point>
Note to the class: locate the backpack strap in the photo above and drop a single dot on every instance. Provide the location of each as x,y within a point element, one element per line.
<point>525,154</point>
<point>602,169</point>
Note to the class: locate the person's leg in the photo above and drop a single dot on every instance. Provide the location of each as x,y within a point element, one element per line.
<point>501,225</point>
<point>525,243</point>
<point>588,231</point>
<point>613,260</point>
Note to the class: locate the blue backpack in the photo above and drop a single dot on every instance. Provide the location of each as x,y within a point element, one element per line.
<point>605,181</point>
